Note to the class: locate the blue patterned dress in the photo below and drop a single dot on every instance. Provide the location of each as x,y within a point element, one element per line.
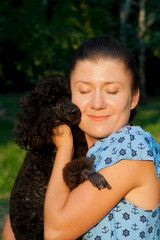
<point>125,220</point>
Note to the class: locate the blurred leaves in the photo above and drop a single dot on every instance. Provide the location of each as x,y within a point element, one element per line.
<point>40,36</point>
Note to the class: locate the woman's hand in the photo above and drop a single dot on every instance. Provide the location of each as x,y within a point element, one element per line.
<point>62,136</point>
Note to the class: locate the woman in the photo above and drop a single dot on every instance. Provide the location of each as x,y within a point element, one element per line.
<point>104,86</point>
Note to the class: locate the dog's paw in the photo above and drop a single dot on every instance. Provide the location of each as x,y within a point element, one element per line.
<point>96,179</point>
<point>72,172</point>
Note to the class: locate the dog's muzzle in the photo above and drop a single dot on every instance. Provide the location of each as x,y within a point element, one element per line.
<point>71,113</point>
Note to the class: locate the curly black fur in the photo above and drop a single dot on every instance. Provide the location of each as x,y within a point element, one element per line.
<point>41,111</point>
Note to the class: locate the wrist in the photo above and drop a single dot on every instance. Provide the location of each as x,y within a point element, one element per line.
<point>65,152</point>
<point>66,146</point>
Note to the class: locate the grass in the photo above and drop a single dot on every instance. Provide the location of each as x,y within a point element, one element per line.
<point>11,156</point>
<point>10,160</point>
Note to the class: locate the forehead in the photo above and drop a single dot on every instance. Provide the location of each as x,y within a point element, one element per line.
<point>102,70</point>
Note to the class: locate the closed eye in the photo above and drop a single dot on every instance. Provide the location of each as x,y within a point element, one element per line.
<point>83,92</point>
<point>112,92</point>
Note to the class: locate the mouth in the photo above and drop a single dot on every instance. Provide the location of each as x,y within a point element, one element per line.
<point>98,118</point>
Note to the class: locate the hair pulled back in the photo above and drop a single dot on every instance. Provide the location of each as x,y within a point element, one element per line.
<point>105,47</point>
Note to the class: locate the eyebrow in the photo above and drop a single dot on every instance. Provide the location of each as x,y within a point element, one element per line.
<point>105,83</point>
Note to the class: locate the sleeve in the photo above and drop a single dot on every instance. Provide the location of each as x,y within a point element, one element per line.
<point>131,145</point>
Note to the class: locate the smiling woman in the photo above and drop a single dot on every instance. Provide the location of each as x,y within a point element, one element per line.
<point>97,86</point>
<point>104,85</point>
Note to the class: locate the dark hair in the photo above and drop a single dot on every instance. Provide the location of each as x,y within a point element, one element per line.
<point>106,47</point>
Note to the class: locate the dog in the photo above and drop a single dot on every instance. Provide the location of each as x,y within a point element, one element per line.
<point>42,110</point>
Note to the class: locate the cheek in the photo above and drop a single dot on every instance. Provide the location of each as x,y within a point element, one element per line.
<point>77,101</point>
<point>117,103</point>
<point>123,101</point>
<point>80,100</point>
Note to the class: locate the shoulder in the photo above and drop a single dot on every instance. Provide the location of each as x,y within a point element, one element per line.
<point>130,142</point>
<point>136,180</point>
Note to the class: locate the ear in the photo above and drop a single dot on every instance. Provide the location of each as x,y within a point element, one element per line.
<point>135,99</point>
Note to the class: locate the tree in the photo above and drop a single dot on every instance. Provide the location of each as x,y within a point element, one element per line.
<point>125,8</point>
<point>39,37</point>
<point>141,34</point>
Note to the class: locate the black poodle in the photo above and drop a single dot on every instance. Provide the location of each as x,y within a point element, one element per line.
<point>40,112</point>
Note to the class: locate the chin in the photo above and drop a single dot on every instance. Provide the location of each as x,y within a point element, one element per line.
<point>97,136</point>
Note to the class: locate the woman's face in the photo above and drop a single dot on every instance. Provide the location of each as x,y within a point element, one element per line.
<point>102,91</point>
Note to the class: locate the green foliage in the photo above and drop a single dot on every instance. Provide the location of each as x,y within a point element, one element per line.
<point>9,105</point>
<point>40,36</point>
<point>148,118</point>
<point>11,158</point>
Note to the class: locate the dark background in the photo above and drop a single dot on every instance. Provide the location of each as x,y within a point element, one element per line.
<point>39,37</point>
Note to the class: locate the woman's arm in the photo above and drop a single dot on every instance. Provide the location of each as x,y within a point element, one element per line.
<point>7,233</point>
<point>67,215</point>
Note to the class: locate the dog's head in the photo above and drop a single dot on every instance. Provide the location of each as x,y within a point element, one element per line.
<point>43,110</point>
<point>53,89</point>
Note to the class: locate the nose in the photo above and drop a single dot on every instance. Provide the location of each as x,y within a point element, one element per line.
<point>98,101</point>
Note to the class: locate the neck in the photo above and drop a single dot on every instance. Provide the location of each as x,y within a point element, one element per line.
<point>91,140</point>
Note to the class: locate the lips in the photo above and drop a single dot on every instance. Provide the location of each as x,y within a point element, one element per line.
<point>98,118</point>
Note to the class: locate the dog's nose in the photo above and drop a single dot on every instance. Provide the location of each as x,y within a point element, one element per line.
<point>71,113</point>
<point>74,112</point>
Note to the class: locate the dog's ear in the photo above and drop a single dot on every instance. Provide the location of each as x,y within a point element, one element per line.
<point>52,88</point>
<point>27,119</point>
